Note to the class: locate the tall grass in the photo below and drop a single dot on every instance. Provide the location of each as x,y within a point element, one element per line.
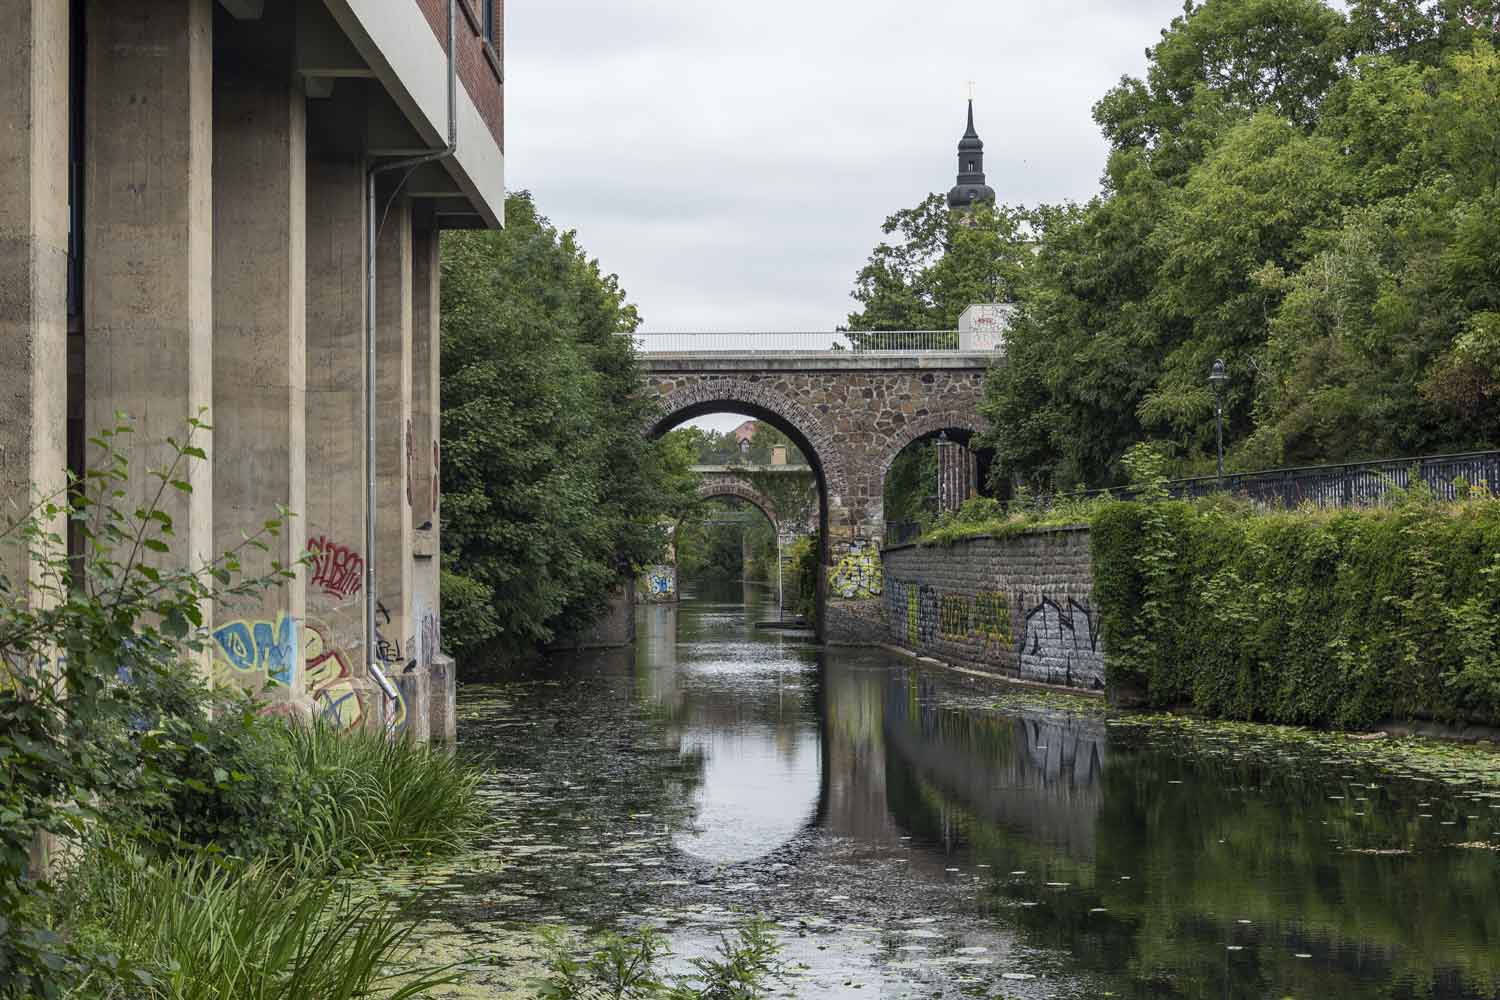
<point>200,929</point>
<point>378,798</point>
<point>203,923</point>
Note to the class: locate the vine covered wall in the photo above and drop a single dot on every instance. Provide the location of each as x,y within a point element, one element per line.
<point>1344,619</point>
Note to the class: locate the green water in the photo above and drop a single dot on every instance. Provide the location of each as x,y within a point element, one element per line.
<point>922,834</point>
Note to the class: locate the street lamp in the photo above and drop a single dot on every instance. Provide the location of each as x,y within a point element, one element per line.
<point>1217,378</point>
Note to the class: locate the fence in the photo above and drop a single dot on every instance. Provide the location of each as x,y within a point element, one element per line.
<point>1353,484</point>
<point>902,532</point>
<point>750,342</point>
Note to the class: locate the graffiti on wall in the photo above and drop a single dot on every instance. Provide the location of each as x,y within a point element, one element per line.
<point>429,636</point>
<point>395,712</point>
<point>984,616</point>
<point>388,650</point>
<point>338,569</point>
<point>1054,636</point>
<point>858,575</point>
<point>411,464</point>
<point>660,583</point>
<point>1058,639</point>
<point>436,481</point>
<point>260,649</point>
<point>913,610</point>
<point>330,679</point>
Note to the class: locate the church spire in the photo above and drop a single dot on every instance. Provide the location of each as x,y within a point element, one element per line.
<point>971,187</point>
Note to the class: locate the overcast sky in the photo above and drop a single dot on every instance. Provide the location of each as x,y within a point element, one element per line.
<point>733,161</point>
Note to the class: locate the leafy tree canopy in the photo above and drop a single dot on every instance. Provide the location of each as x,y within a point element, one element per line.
<point>550,491</point>
<point>1307,191</point>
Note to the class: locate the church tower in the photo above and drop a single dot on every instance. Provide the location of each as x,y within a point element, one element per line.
<point>971,187</point>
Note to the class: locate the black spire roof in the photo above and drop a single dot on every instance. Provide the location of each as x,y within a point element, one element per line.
<point>971,187</point>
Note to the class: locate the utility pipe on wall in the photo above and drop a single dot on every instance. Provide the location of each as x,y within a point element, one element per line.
<point>372,235</point>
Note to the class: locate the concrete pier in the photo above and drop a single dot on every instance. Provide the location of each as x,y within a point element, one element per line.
<point>33,263</point>
<point>148,234</point>
<point>396,451</point>
<point>260,316</point>
<point>182,232</point>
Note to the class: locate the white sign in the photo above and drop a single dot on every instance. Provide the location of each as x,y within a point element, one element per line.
<point>982,327</point>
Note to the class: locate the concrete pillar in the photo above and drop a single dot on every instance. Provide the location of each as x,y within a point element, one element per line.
<point>33,264</point>
<point>426,430</point>
<point>956,475</point>
<point>443,719</point>
<point>335,658</point>
<point>395,436</point>
<point>260,349</point>
<point>148,230</point>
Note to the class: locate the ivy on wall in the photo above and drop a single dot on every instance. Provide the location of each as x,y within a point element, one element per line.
<point>1314,617</point>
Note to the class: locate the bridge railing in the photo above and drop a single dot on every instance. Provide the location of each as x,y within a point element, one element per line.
<point>1350,484</point>
<point>764,342</point>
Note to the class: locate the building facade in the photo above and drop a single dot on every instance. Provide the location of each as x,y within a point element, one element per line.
<point>195,196</point>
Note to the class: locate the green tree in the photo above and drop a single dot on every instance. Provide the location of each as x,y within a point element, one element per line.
<point>1310,195</point>
<point>941,263</point>
<point>551,493</point>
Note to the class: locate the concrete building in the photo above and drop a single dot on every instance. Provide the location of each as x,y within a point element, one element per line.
<point>186,192</point>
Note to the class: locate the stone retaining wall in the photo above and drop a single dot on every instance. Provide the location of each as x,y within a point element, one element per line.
<point>1020,606</point>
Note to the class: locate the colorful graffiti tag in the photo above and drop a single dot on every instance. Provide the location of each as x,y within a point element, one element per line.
<point>338,569</point>
<point>330,680</point>
<point>858,575</point>
<point>1047,637</point>
<point>261,648</point>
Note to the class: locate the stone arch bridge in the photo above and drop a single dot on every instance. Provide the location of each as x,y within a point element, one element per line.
<point>851,413</point>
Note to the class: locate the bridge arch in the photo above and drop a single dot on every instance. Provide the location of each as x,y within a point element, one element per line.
<point>959,425</point>
<point>743,489</point>
<point>812,434</point>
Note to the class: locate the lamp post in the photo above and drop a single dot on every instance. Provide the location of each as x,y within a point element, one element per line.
<point>1217,377</point>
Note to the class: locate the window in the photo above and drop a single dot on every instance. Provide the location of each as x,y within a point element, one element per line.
<point>490,20</point>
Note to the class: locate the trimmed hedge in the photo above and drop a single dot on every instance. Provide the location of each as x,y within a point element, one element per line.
<point>1340,618</point>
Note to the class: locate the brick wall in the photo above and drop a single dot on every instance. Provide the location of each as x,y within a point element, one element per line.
<point>480,64</point>
<point>1020,606</point>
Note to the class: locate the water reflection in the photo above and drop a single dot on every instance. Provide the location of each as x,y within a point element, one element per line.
<point>917,833</point>
<point>747,704</point>
<point>1158,863</point>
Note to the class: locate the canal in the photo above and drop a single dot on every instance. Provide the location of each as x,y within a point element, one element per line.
<point>920,833</point>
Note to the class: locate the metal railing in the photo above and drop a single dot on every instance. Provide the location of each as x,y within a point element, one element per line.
<point>1350,484</point>
<point>763,342</point>
<point>902,532</point>
<point>1354,484</point>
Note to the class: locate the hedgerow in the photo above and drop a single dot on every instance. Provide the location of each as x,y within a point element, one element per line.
<point>1340,618</point>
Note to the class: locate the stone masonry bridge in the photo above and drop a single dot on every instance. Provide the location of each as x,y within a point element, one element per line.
<point>850,411</point>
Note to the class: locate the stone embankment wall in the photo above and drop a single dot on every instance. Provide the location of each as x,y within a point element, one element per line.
<point>1020,606</point>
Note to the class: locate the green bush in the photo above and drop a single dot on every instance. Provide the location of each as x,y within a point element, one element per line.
<point>1339,618</point>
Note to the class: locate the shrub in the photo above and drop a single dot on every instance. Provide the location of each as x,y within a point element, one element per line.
<point>88,652</point>
<point>1337,618</point>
